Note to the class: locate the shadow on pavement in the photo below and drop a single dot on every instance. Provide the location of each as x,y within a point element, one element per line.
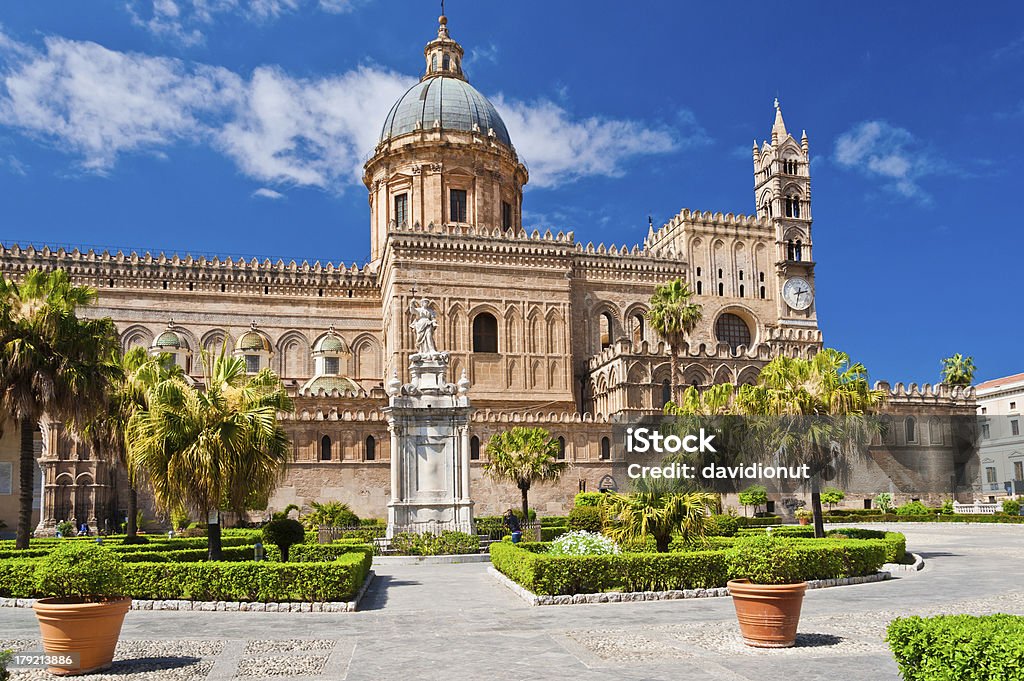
<point>376,596</point>
<point>150,664</point>
<point>817,640</point>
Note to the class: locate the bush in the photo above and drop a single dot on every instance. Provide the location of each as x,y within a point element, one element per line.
<point>755,495</point>
<point>947,507</point>
<point>884,502</point>
<point>552,533</point>
<point>832,496</point>
<point>137,539</point>
<point>330,514</point>
<point>179,519</point>
<point>722,526</point>
<point>586,518</point>
<point>764,559</point>
<point>960,647</point>
<point>584,499</point>
<point>759,522</point>
<point>66,528</point>
<point>5,658</point>
<point>1011,507</point>
<point>445,544</point>
<point>323,553</point>
<point>914,508</point>
<point>282,533</point>
<point>80,570</point>
<point>582,543</point>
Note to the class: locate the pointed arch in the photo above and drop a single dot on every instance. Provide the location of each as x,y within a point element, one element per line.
<point>136,335</point>
<point>535,328</point>
<point>513,330</point>
<point>367,363</point>
<point>457,335</point>
<point>555,335</point>
<point>293,355</point>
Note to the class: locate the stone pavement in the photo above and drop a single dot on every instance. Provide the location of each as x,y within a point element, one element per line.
<point>453,622</point>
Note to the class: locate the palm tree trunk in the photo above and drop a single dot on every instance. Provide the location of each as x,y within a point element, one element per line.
<point>526,504</point>
<point>213,540</point>
<point>133,511</point>
<point>819,522</point>
<point>674,368</point>
<point>27,466</point>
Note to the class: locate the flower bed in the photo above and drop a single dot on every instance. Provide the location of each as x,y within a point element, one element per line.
<point>529,566</point>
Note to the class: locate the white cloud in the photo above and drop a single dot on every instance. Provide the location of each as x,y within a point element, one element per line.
<point>99,104</point>
<point>890,154</point>
<point>559,149</point>
<point>267,193</point>
<point>185,20</point>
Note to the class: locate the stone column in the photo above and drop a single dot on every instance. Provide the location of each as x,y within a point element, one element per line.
<point>465,464</point>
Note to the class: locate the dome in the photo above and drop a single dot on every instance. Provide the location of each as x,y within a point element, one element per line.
<point>333,344</point>
<point>169,339</point>
<point>329,383</point>
<point>452,101</point>
<point>252,340</point>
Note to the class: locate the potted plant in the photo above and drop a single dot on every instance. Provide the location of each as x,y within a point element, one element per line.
<point>83,606</point>
<point>803,516</point>
<point>766,590</point>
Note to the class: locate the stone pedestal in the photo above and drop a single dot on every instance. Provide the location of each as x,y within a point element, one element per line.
<point>429,423</point>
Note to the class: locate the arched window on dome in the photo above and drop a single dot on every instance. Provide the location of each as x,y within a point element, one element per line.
<point>325,448</point>
<point>485,333</point>
<point>446,62</point>
<point>433,63</point>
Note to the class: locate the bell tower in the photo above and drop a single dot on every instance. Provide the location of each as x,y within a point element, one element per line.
<point>782,192</point>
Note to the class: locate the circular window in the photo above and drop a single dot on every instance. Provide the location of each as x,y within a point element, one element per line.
<point>732,330</point>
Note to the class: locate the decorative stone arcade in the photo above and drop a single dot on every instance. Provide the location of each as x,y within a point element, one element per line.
<point>429,423</point>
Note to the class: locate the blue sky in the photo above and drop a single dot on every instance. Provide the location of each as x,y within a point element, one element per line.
<point>240,126</point>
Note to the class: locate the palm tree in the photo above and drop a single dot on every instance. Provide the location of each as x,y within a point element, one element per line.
<point>674,317</point>
<point>139,373</point>
<point>958,370</point>
<point>214,448</point>
<point>659,514</point>
<point>52,363</point>
<point>818,405</point>
<point>524,456</point>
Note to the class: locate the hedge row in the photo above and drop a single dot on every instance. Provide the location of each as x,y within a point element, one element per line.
<point>960,647</point>
<point>758,522</point>
<point>930,518</point>
<point>895,542</point>
<point>527,565</point>
<point>267,581</point>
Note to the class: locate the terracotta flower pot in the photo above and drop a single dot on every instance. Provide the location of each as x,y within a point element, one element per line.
<point>804,521</point>
<point>768,613</point>
<point>90,629</point>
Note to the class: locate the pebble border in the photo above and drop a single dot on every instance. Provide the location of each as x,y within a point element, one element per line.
<point>676,594</point>
<point>226,606</point>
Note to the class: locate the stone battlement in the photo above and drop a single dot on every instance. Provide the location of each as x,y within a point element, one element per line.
<point>708,219</point>
<point>927,393</point>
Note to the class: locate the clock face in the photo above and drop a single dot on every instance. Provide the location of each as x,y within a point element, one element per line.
<point>797,293</point>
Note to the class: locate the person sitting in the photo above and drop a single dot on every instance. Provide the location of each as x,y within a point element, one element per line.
<point>511,521</point>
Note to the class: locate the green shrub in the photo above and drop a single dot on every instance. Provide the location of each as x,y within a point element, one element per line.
<point>18,577</point>
<point>586,518</point>
<point>914,508</point>
<point>5,658</point>
<point>282,533</point>
<point>755,495</point>
<point>80,570</point>
<point>66,528</point>
<point>179,519</point>
<point>764,559</point>
<point>582,543</point>
<point>584,499</point>
<point>947,507</point>
<point>884,502</point>
<point>759,522</point>
<point>554,521</point>
<point>322,553</point>
<point>330,514</point>
<point>445,544</point>
<point>137,539</point>
<point>722,526</point>
<point>958,647</point>
<point>1011,506</point>
<point>832,496</point>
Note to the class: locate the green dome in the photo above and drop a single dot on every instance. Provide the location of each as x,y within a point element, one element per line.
<point>333,343</point>
<point>329,383</point>
<point>169,339</point>
<point>252,340</point>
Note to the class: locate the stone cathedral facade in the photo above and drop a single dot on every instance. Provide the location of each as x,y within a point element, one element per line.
<point>550,330</point>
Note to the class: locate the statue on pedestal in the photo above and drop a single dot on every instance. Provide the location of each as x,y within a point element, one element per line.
<point>424,323</point>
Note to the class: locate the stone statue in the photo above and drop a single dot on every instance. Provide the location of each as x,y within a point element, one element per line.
<point>424,322</point>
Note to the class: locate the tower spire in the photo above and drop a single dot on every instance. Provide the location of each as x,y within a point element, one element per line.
<point>779,129</point>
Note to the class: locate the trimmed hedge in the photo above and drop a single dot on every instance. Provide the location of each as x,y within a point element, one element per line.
<point>743,521</point>
<point>895,542</point>
<point>958,647</point>
<point>527,565</point>
<point>338,580</point>
<point>931,518</point>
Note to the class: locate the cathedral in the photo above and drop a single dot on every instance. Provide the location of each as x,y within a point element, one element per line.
<point>550,331</point>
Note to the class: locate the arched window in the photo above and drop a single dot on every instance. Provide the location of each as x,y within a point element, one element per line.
<point>700,288</point>
<point>721,289</point>
<point>371,448</point>
<point>762,293</point>
<point>433,63</point>
<point>798,254</point>
<point>666,392</point>
<point>741,290</point>
<point>446,62</point>
<point>474,448</point>
<point>638,328</point>
<point>911,428</point>
<point>790,251</point>
<point>606,449</point>
<point>561,449</point>
<point>606,330</point>
<point>485,333</point>
<point>732,330</point>
<point>325,448</point>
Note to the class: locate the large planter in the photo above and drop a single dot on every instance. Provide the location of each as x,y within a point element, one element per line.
<point>768,613</point>
<point>804,521</point>
<point>90,629</point>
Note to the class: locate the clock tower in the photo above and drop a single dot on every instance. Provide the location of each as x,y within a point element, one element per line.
<point>782,191</point>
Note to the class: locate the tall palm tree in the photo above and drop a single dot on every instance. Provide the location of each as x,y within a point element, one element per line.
<point>52,363</point>
<point>139,373</point>
<point>659,514</point>
<point>524,456</point>
<point>958,370</point>
<point>819,405</point>
<point>214,448</point>
<point>674,317</point>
